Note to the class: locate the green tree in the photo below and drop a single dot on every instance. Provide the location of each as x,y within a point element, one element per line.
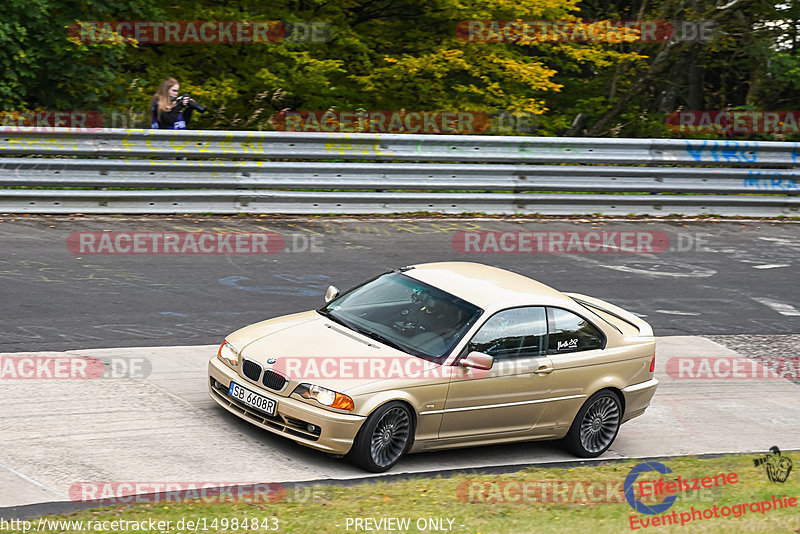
<point>45,69</point>
<point>383,55</point>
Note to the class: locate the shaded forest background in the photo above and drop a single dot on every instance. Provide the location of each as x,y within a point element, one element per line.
<point>405,54</point>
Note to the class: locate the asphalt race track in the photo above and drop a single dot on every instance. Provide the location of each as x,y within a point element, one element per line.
<point>733,278</point>
<point>712,282</point>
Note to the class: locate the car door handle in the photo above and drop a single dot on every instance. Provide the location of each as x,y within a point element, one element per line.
<point>544,370</point>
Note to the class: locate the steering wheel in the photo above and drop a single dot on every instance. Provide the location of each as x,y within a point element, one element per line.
<point>408,324</point>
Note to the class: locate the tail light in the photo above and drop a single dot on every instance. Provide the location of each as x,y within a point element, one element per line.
<point>653,362</point>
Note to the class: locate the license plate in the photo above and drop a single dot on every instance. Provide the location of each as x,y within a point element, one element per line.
<point>252,399</point>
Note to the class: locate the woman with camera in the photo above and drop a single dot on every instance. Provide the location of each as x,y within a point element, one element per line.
<point>168,110</point>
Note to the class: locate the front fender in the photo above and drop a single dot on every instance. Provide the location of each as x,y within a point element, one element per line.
<point>426,403</point>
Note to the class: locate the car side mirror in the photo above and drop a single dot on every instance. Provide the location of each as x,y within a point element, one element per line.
<point>477,360</point>
<point>331,293</point>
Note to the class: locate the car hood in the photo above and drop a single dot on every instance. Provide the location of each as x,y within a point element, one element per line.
<point>310,348</point>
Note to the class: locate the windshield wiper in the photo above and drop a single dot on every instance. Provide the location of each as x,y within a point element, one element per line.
<point>372,335</point>
<point>358,329</point>
<point>335,319</point>
<point>385,340</point>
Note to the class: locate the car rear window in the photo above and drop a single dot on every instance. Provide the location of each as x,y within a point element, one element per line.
<point>570,332</point>
<point>619,324</point>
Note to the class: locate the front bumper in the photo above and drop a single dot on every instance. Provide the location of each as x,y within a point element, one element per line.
<point>336,431</point>
<point>637,398</point>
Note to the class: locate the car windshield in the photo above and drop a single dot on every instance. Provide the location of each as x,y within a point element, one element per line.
<point>405,313</point>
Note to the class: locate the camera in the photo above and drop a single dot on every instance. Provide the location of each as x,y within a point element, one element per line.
<point>190,103</point>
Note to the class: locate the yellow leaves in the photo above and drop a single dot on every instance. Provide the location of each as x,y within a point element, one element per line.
<point>469,78</point>
<point>436,64</point>
<point>595,54</point>
<point>451,73</point>
<point>532,73</point>
<point>494,89</point>
<point>508,9</point>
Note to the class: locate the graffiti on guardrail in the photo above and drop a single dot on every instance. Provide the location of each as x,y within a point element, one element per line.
<point>358,147</point>
<point>771,181</point>
<point>723,151</point>
<point>236,164</point>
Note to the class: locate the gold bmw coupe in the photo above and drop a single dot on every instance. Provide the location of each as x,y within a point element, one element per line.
<point>436,356</point>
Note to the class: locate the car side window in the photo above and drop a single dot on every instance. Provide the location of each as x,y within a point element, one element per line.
<point>570,332</point>
<point>514,333</point>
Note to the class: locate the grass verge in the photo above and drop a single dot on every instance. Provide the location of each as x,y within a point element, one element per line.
<point>582,499</point>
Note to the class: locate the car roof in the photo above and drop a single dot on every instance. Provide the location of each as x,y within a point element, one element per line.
<point>486,286</point>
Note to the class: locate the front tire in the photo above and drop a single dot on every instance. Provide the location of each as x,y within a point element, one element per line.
<point>385,437</point>
<point>596,425</point>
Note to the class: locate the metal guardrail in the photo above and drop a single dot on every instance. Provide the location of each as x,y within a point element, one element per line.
<point>250,172</point>
<point>394,147</point>
<point>321,175</point>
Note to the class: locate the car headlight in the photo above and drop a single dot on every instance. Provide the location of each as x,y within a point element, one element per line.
<point>325,396</point>
<point>228,354</point>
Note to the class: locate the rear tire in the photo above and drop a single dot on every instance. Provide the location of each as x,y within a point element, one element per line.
<point>384,438</point>
<point>596,425</point>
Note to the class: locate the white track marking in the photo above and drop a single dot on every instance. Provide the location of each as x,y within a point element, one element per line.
<point>780,307</point>
<point>771,266</point>
<point>34,482</point>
